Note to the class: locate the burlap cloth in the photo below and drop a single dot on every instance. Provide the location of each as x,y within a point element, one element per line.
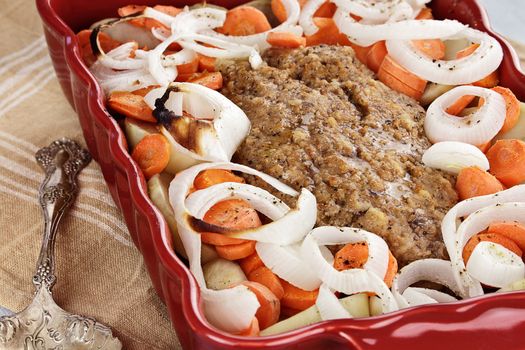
<point>100,273</point>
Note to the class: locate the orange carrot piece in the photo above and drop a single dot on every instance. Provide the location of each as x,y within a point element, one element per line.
<point>460,104</point>
<point>474,182</point>
<point>268,312</point>
<point>144,91</point>
<point>279,10</point>
<point>485,147</point>
<point>510,229</point>
<point>253,330</point>
<point>433,48</point>
<point>152,154</point>
<point>490,80</point>
<point>490,237</point>
<point>425,13</point>
<point>189,67</point>
<point>507,161</point>
<point>376,55</point>
<point>286,40</point>
<point>167,9</point>
<point>244,20</point>
<point>130,10</point>
<point>212,80</point>
<point>131,105</point>
<point>210,177</point>
<point>266,277</point>
<point>107,44</point>
<point>351,256</point>
<point>391,270</point>
<point>297,298</point>
<point>512,105</point>
<point>288,311</point>
<point>236,251</point>
<point>250,263</point>
<point>328,33</point>
<point>206,64</point>
<point>327,10</point>
<point>400,79</point>
<point>233,214</point>
<point>218,239</point>
<point>361,52</point>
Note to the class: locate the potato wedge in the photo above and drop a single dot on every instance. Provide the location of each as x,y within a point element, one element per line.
<point>221,274</point>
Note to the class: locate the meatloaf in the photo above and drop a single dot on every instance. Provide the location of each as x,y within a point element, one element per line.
<point>321,120</point>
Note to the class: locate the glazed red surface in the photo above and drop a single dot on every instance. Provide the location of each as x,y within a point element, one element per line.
<point>492,322</point>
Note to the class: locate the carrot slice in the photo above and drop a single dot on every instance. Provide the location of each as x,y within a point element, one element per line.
<point>391,270</point>
<point>400,79</point>
<point>507,161</point>
<point>253,330</point>
<point>250,263</point>
<point>490,237</point>
<point>130,10</point>
<point>236,251</point>
<point>144,91</point>
<point>244,20</point>
<point>279,10</point>
<point>212,80</point>
<point>425,13</point>
<point>206,64</point>
<point>218,239</point>
<point>328,33</point>
<point>266,277</point>
<point>376,55</point>
<point>131,105</point>
<point>188,67</point>
<point>433,48</point>
<point>167,9</point>
<point>490,80</point>
<point>286,40</point>
<point>297,298</point>
<point>233,214</point>
<point>474,182</point>
<point>144,22</point>
<point>210,177</point>
<point>361,52</point>
<point>460,104</point>
<point>512,105</point>
<point>288,312</point>
<point>268,312</point>
<point>485,147</point>
<point>510,229</point>
<point>327,10</point>
<point>152,154</point>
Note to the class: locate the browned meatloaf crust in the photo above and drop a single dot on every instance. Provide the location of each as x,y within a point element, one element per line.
<point>321,121</point>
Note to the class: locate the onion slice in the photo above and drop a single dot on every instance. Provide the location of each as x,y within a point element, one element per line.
<point>476,128</point>
<point>451,156</point>
<point>433,270</point>
<point>365,34</point>
<point>329,306</point>
<point>494,265</point>
<point>287,263</point>
<point>307,12</point>
<point>220,125</point>
<point>349,281</point>
<point>485,60</point>
<point>375,11</point>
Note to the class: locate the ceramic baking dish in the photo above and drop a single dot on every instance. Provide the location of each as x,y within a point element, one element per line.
<point>496,321</point>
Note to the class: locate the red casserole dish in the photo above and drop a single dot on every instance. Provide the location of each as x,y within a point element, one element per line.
<point>495,321</point>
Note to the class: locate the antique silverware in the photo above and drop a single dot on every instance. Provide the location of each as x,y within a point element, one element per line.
<point>43,324</point>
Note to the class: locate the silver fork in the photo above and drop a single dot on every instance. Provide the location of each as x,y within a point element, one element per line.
<point>43,324</point>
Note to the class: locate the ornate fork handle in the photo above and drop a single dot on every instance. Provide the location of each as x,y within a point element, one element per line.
<point>62,160</point>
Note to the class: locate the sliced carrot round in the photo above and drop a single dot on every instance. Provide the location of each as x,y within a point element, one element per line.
<point>391,270</point>
<point>219,239</point>
<point>250,263</point>
<point>510,229</point>
<point>253,330</point>
<point>207,64</point>
<point>490,80</point>
<point>270,307</point>
<point>474,182</point>
<point>376,55</point>
<point>507,161</point>
<point>296,298</point>
<point>131,105</point>
<point>212,80</point>
<point>236,251</point>
<point>326,10</point>
<point>490,237</point>
<point>232,214</point>
<point>266,277</point>
<point>460,104</point>
<point>432,48</point>
<point>285,40</point>
<point>351,256</point>
<point>244,20</point>
<point>328,33</point>
<point>279,10</point>
<point>512,108</point>
<point>210,177</point>
<point>398,78</point>
<point>152,154</point>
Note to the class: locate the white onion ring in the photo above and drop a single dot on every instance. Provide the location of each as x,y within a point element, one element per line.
<point>349,281</point>
<point>485,60</point>
<point>365,35</point>
<point>178,58</point>
<point>494,265</point>
<point>329,306</point>
<point>197,20</point>
<point>433,270</point>
<point>438,296</point>
<point>287,263</point>
<point>476,128</point>
<point>307,12</point>
<point>375,11</point>
<point>451,156</point>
